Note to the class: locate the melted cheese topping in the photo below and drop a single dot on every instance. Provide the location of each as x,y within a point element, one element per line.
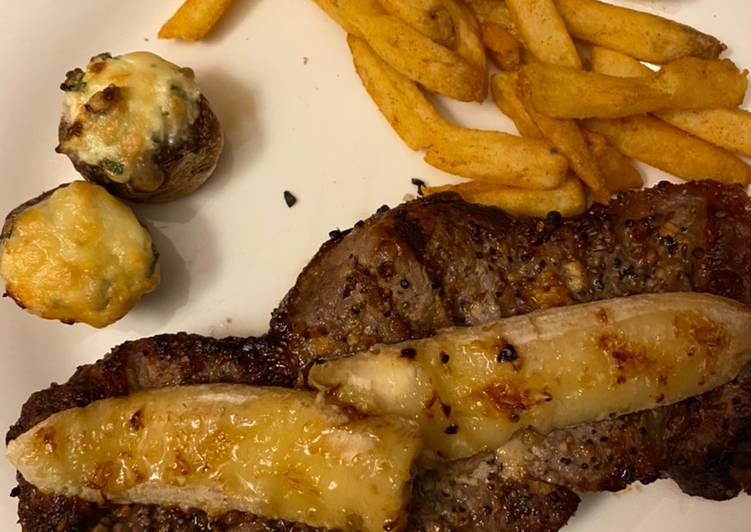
<point>281,454</point>
<point>79,255</point>
<point>156,104</point>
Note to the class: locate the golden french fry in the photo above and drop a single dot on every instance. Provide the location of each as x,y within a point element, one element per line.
<point>497,157</point>
<point>490,155</point>
<point>698,84</point>
<point>468,43</point>
<point>544,32</point>
<point>546,36</point>
<point>569,199</point>
<point>618,170</point>
<point>569,140</point>
<point>612,63</point>
<point>727,128</point>
<point>495,12</point>
<point>663,146</point>
<point>688,83</point>
<point>429,17</point>
<point>399,99</point>
<point>194,19</point>
<point>505,50</point>
<point>571,93</point>
<point>332,9</point>
<point>437,68</point>
<point>503,89</point>
<point>641,35</point>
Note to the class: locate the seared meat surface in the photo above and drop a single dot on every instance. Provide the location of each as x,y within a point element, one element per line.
<point>436,262</point>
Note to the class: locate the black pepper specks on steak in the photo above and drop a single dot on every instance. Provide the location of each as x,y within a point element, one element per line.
<point>438,261</point>
<point>468,264</point>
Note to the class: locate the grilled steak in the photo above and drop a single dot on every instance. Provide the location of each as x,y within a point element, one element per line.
<point>440,261</point>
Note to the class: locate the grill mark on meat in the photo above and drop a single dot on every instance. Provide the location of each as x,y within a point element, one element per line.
<point>468,264</point>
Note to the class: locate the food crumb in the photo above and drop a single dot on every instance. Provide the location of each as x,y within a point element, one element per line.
<point>289,198</point>
<point>305,60</point>
<point>419,183</point>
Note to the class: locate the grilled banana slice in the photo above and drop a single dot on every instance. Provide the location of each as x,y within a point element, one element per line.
<point>472,388</point>
<point>281,454</point>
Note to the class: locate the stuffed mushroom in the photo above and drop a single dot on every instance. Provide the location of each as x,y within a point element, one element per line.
<point>139,126</point>
<point>77,254</point>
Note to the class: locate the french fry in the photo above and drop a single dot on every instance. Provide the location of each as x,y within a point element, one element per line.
<point>497,158</point>
<point>495,12</point>
<point>399,99</point>
<point>569,140</point>
<point>698,84</point>
<point>612,63</point>
<point>620,173</point>
<point>467,43</point>
<point>503,90</point>
<point>663,146</point>
<point>194,19</point>
<point>617,170</point>
<point>546,36</point>
<point>544,32</point>
<point>727,128</point>
<point>569,199</point>
<point>505,50</point>
<point>641,35</point>
<point>489,155</point>
<point>429,17</point>
<point>688,83</point>
<point>437,68</point>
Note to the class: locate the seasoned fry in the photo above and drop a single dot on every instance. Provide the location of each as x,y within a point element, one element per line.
<point>503,89</point>
<point>544,32</point>
<point>194,19</point>
<point>656,143</point>
<point>569,199</point>
<point>571,93</point>
<point>688,83</point>
<point>490,155</point>
<point>727,128</point>
<point>468,43</point>
<point>429,17</point>
<point>495,12</point>
<point>399,99</point>
<point>569,140</point>
<point>437,68</point>
<point>618,170</point>
<point>641,35</point>
<point>612,63</point>
<point>497,158</point>
<point>699,84</point>
<point>546,37</point>
<point>505,50</point>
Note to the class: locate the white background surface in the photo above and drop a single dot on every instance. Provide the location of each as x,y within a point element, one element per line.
<point>231,250</point>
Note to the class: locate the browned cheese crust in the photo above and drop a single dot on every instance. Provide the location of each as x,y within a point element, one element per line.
<point>185,168</point>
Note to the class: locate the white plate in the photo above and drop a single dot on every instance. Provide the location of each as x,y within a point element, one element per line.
<point>231,250</point>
